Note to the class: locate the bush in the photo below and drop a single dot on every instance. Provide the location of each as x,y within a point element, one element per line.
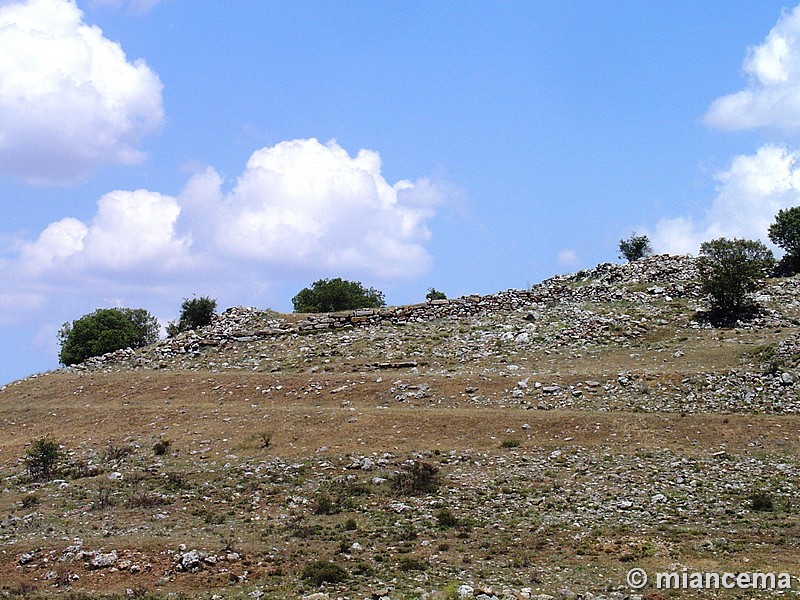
<point>635,247</point>
<point>320,572</point>
<point>42,459</point>
<point>445,519</point>
<point>161,447</point>
<point>197,312</point>
<point>761,501</point>
<point>730,270</point>
<point>785,232</point>
<point>417,478</point>
<point>332,295</point>
<point>324,505</point>
<point>434,294</point>
<point>106,330</point>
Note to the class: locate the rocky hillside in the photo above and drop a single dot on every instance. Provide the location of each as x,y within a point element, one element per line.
<point>528,444</point>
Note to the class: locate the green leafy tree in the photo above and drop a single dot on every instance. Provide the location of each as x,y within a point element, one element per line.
<point>732,269</point>
<point>197,312</point>
<point>146,325</point>
<point>105,330</point>
<point>331,295</point>
<point>785,232</point>
<point>434,294</point>
<point>635,247</point>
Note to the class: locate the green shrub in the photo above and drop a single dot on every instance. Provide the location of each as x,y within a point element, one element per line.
<point>105,330</point>
<point>320,572</point>
<point>730,270</point>
<point>195,313</point>
<point>417,478</point>
<point>434,294</point>
<point>30,501</point>
<point>510,443</point>
<point>408,563</point>
<point>445,519</point>
<point>324,505</point>
<point>42,459</point>
<point>332,295</point>
<point>761,501</point>
<point>161,447</point>
<point>635,247</point>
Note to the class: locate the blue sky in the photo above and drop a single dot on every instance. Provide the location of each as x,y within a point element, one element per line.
<point>151,150</point>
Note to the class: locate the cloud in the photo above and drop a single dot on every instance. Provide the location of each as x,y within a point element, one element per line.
<point>749,195</point>
<point>69,99</point>
<point>131,231</point>
<point>307,206</point>
<point>771,97</point>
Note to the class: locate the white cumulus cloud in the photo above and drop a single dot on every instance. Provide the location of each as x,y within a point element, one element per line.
<point>771,97</point>
<point>70,101</point>
<point>749,195</point>
<point>308,206</point>
<point>131,231</point>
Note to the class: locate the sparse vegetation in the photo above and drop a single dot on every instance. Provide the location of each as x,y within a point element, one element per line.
<point>598,427</point>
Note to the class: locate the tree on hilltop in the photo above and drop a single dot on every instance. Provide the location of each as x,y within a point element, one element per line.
<point>106,330</point>
<point>730,270</point>
<point>197,312</point>
<point>785,232</point>
<point>635,247</point>
<point>332,295</point>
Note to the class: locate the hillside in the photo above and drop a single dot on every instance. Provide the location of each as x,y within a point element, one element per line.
<point>568,433</point>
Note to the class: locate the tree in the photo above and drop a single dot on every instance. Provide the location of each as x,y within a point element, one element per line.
<point>635,247</point>
<point>197,312</point>
<point>785,232</point>
<point>105,330</point>
<point>434,294</point>
<point>730,270</point>
<point>146,325</point>
<point>331,295</point>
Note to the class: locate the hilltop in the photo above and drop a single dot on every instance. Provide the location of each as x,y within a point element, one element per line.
<point>590,424</point>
